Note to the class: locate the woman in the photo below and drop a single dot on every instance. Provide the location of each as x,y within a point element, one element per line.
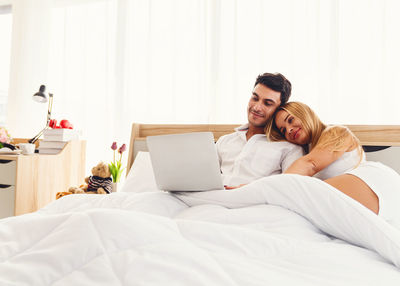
<point>335,156</point>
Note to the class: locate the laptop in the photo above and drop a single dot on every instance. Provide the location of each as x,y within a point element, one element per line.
<point>185,162</point>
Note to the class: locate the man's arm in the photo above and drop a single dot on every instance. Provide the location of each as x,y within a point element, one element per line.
<point>290,157</point>
<point>218,146</point>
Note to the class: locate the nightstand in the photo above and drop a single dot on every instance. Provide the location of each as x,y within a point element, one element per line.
<point>29,182</point>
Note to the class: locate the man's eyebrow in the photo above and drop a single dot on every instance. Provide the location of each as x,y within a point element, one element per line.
<point>269,100</point>
<point>254,93</point>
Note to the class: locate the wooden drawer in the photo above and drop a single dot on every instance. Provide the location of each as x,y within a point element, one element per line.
<point>7,172</point>
<point>7,201</point>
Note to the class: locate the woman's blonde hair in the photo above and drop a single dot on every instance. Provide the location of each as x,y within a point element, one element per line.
<point>312,125</point>
<point>337,138</point>
<point>340,138</point>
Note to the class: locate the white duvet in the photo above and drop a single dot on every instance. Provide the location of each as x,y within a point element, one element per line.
<point>143,236</point>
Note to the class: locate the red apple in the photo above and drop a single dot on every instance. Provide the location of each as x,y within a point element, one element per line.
<point>66,124</point>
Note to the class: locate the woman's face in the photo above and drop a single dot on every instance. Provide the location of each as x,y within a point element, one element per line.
<point>291,128</point>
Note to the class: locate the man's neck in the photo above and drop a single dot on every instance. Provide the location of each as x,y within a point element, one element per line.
<point>253,130</point>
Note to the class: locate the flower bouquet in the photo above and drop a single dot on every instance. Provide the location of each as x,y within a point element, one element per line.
<point>115,166</point>
<point>5,139</point>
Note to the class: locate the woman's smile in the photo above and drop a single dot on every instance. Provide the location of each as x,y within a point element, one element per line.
<point>296,134</point>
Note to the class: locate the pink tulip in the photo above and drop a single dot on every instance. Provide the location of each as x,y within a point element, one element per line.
<point>4,136</point>
<point>122,149</point>
<point>115,166</point>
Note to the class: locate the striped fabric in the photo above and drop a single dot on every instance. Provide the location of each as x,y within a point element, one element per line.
<point>96,182</point>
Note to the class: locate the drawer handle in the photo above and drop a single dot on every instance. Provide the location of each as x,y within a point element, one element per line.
<point>5,161</point>
<point>4,186</point>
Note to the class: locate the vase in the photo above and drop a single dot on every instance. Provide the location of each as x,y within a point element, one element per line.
<point>114,187</point>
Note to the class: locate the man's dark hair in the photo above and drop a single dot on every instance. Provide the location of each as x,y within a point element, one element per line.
<point>277,82</point>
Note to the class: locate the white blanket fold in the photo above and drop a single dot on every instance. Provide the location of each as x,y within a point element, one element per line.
<point>326,207</point>
<point>154,238</point>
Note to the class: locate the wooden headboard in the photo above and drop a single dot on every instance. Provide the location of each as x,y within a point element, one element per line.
<point>369,135</point>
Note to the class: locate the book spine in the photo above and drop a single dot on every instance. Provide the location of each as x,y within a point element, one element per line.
<point>51,144</point>
<point>60,138</point>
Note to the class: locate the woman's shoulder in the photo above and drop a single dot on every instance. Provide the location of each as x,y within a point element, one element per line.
<point>338,138</point>
<point>335,130</point>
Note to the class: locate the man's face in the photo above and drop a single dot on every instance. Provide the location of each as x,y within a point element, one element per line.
<point>263,103</point>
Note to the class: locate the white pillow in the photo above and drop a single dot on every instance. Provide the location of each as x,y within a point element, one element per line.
<point>140,177</point>
<point>326,207</point>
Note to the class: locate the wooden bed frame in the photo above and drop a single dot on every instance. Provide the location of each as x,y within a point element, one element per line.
<point>369,135</point>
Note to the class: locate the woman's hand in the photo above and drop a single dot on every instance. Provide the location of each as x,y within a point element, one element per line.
<point>233,187</point>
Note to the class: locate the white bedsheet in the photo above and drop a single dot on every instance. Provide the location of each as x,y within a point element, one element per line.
<point>142,236</point>
<point>152,238</point>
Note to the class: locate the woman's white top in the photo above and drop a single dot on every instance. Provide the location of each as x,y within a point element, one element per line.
<point>347,162</point>
<point>385,182</point>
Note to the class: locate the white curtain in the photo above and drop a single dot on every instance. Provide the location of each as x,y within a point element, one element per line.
<point>5,50</point>
<point>114,62</point>
<point>28,66</point>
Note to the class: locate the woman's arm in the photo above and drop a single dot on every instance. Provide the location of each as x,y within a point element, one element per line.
<point>309,164</point>
<point>333,143</point>
<point>313,162</point>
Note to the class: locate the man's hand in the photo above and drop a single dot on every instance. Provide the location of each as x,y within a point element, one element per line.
<point>234,187</point>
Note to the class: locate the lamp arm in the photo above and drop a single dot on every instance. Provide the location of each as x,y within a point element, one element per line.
<point>49,109</point>
<point>34,139</point>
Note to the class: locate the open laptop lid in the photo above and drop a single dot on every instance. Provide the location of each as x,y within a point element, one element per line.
<point>185,162</point>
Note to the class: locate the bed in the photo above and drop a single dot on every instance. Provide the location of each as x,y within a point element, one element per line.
<point>144,236</point>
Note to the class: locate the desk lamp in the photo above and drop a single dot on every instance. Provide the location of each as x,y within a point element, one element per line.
<point>41,97</point>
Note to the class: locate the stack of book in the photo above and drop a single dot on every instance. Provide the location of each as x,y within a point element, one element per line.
<point>54,140</point>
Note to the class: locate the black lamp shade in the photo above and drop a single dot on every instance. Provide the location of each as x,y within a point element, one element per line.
<point>40,96</point>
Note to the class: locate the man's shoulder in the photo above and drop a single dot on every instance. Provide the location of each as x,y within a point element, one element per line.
<point>226,138</point>
<point>287,150</point>
<point>230,135</point>
<point>235,134</point>
<point>285,145</point>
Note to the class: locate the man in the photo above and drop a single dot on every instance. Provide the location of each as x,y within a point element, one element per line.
<point>247,155</point>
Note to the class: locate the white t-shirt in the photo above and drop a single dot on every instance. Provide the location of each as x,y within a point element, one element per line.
<point>245,161</point>
<point>347,162</point>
